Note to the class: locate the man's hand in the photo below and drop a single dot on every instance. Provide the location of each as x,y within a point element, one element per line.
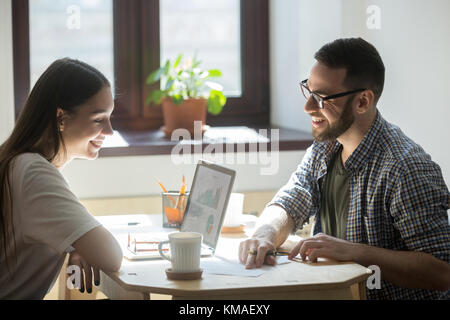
<point>324,246</point>
<point>252,252</point>
<point>272,230</point>
<point>87,272</point>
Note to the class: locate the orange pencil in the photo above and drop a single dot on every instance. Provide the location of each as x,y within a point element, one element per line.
<point>170,197</point>
<point>183,186</point>
<point>162,187</point>
<point>180,202</point>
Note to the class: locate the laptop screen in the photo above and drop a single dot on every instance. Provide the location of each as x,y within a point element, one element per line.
<point>208,200</point>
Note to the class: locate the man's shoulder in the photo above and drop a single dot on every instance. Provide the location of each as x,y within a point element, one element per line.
<point>398,149</point>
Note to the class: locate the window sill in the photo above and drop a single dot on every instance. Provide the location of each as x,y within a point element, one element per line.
<point>218,139</point>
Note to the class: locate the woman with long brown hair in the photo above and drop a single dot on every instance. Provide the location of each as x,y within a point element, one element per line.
<point>66,116</point>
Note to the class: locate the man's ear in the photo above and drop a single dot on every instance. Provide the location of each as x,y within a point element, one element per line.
<point>365,100</point>
<point>60,119</point>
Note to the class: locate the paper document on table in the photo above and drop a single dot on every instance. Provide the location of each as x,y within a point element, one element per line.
<point>220,265</point>
<point>223,266</point>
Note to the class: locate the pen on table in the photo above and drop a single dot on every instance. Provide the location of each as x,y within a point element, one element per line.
<point>123,224</point>
<point>270,253</point>
<point>277,254</point>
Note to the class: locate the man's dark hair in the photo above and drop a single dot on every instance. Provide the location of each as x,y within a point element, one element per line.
<point>363,63</point>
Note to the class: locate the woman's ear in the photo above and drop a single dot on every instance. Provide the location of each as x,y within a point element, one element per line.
<point>60,119</point>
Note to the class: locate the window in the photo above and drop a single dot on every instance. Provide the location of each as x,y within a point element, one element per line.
<point>127,40</point>
<point>77,28</point>
<point>209,27</point>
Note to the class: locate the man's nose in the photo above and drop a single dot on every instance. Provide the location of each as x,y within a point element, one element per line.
<point>311,105</point>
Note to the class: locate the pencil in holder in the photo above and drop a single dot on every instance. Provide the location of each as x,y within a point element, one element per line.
<point>173,206</point>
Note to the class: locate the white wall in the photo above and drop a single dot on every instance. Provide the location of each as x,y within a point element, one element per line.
<point>414,41</point>
<point>6,71</point>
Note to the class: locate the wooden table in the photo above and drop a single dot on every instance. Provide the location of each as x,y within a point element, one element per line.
<point>296,280</point>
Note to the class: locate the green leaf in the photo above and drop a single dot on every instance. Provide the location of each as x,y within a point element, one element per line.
<point>214,85</point>
<point>155,76</point>
<point>216,101</point>
<point>204,75</point>
<point>169,83</point>
<point>155,97</point>
<point>214,73</point>
<point>177,99</point>
<point>195,62</point>
<point>177,62</point>
<point>166,68</point>
<point>182,80</point>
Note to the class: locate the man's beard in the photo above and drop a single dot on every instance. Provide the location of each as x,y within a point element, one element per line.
<point>337,129</point>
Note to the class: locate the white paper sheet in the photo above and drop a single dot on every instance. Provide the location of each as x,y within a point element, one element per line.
<point>220,265</point>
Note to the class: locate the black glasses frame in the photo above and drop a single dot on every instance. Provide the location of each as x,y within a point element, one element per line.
<point>321,99</point>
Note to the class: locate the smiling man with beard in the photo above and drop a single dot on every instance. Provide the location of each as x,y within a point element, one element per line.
<point>376,195</point>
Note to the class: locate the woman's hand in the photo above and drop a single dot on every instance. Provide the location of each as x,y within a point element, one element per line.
<point>86,272</point>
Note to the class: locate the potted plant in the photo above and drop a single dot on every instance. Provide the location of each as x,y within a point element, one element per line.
<point>186,93</point>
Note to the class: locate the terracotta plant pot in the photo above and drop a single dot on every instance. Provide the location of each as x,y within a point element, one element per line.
<point>183,115</point>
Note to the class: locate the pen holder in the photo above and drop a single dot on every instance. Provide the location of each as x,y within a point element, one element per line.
<point>173,206</point>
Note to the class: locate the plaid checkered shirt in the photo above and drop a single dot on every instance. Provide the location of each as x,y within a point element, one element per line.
<point>398,199</point>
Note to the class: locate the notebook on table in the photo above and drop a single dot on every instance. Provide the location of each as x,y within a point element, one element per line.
<point>205,211</point>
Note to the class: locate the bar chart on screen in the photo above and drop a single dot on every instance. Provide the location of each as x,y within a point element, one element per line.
<point>210,197</point>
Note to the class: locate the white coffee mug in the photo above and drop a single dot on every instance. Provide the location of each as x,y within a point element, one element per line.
<point>233,216</point>
<point>185,250</point>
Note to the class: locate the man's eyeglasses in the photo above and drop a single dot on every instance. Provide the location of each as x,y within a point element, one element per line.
<point>319,99</point>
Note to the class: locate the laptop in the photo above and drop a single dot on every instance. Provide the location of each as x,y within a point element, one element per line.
<point>205,210</point>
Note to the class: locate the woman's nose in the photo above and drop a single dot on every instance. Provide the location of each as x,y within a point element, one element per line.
<point>108,130</point>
